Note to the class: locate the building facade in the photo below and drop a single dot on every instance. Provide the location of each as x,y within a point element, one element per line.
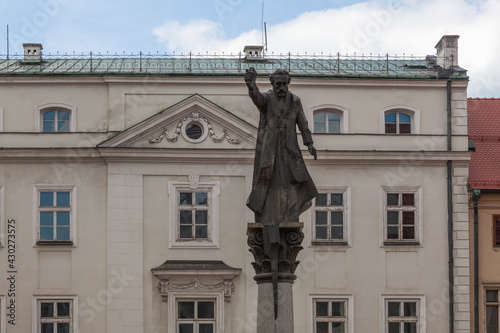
<point>123,184</point>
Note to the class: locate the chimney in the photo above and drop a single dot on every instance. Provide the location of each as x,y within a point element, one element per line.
<point>253,51</point>
<point>32,52</point>
<point>447,51</point>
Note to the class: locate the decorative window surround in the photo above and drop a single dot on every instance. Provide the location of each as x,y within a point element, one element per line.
<point>349,309</point>
<point>420,311</point>
<point>342,111</point>
<point>409,110</point>
<point>212,189</point>
<point>64,107</point>
<point>38,299</point>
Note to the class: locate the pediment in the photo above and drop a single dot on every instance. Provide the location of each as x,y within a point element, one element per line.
<point>194,122</point>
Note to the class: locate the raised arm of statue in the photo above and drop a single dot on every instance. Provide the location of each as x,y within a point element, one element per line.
<point>253,91</point>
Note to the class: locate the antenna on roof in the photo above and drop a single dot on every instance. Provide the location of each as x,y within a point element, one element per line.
<point>264,30</point>
<point>7,42</point>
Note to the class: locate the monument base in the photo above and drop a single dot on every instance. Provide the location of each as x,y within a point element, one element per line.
<point>266,323</point>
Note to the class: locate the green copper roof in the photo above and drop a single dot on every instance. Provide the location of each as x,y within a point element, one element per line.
<point>307,65</point>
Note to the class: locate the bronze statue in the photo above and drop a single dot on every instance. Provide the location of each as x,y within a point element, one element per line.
<point>282,188</point>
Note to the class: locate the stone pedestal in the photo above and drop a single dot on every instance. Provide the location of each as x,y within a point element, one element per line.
<point>291,237</point>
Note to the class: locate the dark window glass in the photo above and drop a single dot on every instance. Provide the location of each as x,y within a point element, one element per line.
<point>392,218</point>
<point>201,217</point>
<point>393,309</point>
<point>338,309</point>
<point>322,199</point>
<point>321,327</point>
<point>410,327</point>
<point>186,198</point>
<point>63,309</point>
<point>63,199</point>
<point>337,217</point>
<point>336,199</point>
<point>408,199</point>
<point>206,328</point>
<point>321,309</point>
<point>492,319</point>
<point>338,327</point>
<point>410,309</point>
<point>321,232</point>
<point>47,310</point>
<point>62,327</point>
<point>321,218</point>
<point>194,131</point>
<point>496,230</point>
<point>320,122</point>
<point>392,199</point>
<point>47,327</point>
<point>206,310</point>
<point>186,310</point>
<point>46,199</point>
<point>186,328</point>
<point>201,198</point>
<point>492,296</point>
<point>201,231</point>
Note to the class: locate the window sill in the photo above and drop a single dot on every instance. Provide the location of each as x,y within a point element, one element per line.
<point>194,245</point>
<point>331,243</point>
<point>55,243</point>
<point>401,243</point>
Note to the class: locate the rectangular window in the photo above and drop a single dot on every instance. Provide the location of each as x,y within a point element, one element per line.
<point>55,215</point>
<point>403,314</point>
<point>330,217</point>
<point>401,216</point>
<point>196,316</point>
<point>194,214</point>
<point>55,316</point>
<point>492,307</point>
<point>330,315</point>
<point>496,230</point>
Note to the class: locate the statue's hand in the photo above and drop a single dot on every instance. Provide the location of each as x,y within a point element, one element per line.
<point>250,77</point>
<point>312,151</point>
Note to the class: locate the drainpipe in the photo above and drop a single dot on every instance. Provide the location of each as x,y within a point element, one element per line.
<point>475,195</point>
<point>450,209</point>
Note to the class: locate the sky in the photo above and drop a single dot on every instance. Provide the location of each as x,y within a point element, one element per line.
<point>396,27</point>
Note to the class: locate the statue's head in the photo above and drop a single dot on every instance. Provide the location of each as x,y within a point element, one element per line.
<point>280,80</point>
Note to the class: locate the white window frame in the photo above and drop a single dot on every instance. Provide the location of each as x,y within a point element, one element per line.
<point>3,222</point>
<point>3,314</point>
<point>384,299</point>
<point>54,298</point>
<point>198,295</point>
<point>490,287</point>
<point>73,213</point>
<point>417,190</point>
<point>342,111</point>
<point>213,188</point>
<point>346,191</point>
<point>413,112</point>
<point>332,297</point>
<point>63,107</point>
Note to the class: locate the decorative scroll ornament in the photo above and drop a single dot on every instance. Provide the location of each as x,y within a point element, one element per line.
<point>199,120</point>
<point>164,286</point>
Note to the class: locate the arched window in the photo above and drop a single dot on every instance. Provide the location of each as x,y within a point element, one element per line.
<point>329,119</point>
<point>397,123</point>
<point>400,119</point>
<point>55,118</point>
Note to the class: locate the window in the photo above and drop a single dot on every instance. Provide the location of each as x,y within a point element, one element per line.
<point>397,123</point>
<point>194,214</point>
<point>196,316</point>
<point>401,215</point>
<point>492,307</point>
<point>404,314</point>
<point>55,314</point>
<point>55,117</point>
<point>55,215</point>
<point>496,230</point>
<point>330,217</point>
<point>330,119</point>
<point>332,314</point>
<point>400,119</point>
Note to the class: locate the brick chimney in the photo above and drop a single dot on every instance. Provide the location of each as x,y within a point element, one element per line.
<point>447,51</point>
<point>32,52</point>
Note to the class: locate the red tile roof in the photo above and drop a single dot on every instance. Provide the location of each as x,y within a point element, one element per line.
<point>484,130</point>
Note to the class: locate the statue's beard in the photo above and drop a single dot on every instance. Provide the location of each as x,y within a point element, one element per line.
<point>281,93</point>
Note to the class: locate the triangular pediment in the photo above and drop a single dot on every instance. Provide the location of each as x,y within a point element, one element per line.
<point>194,122</point>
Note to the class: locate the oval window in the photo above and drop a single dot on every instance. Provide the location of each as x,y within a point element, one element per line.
<point>194,131</point>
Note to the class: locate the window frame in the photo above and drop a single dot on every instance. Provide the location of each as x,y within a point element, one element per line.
<point>496,231</point>
<point>346,192</point>
<point>486,304</point>
<point>73,214</point>
<point>421,312</point>
<point>41,109</point>
<point>38,299</point>
<point>418,220</point>
<point>213,190</point>
<point>349,299</point>
<point>197,295</point>
<point>413,112</point>
<point>340,110</point>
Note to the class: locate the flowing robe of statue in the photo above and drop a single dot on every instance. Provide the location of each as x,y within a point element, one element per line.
<point>282,187</point>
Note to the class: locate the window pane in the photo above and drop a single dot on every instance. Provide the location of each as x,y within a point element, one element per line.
<point>321,232</point>
<point>338,327</point>
<point>201,217</point>
<point>336,199</point>
<point>49,115</point>
<point>186,198</point>
<point>321,327</point>
<point>390,117</point>
<point>319,116</point>
<point>404,128</point>
<point>409,232</point>
<point>496,228</point>
<point>333,117</point>
<point>186,216</point>
<point>62,199</point>
<point>206,328</point>
<point>492,317</point>
<point>319,128</point>
<point>492,296</point>
<point>322,199</point>
<point>408,218</point>
<point>62,115</point>
<point>47,310</point>
<point>62,218</point>
<point>410,327</point>
<point>338,309</point>
<point>337,217</point>
<point>337,232</point>
<point>186,232</point>
<point>62,233</point>
<point>408,199</point>
<point>393,309</point>
<point>63,126</point>
<point>393,232</point>
<point>394,328</point>
<point>46,233</point>
<point>390,128</point>
<point>201,231</point>
<point>49,126</point>
<point>404,118</point>
<point>46,199</point>
<point>393,218</point>
<point>194,131</point>
<point>321,309</point>
<point>321,218</point>
<point>410,309</point>
<point>334,128</point>
<point>63,328</point>
<point>47,218</point>
<point>186,328</point>
<point>47,328</point>
<point>63,309</point>
<point>201,198</point>
<point>392,199</point>
<point>206,310</point>
<point>333,122</point>
<point>186,310</point>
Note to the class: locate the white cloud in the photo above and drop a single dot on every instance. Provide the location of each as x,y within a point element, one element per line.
<point>376,26</point>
